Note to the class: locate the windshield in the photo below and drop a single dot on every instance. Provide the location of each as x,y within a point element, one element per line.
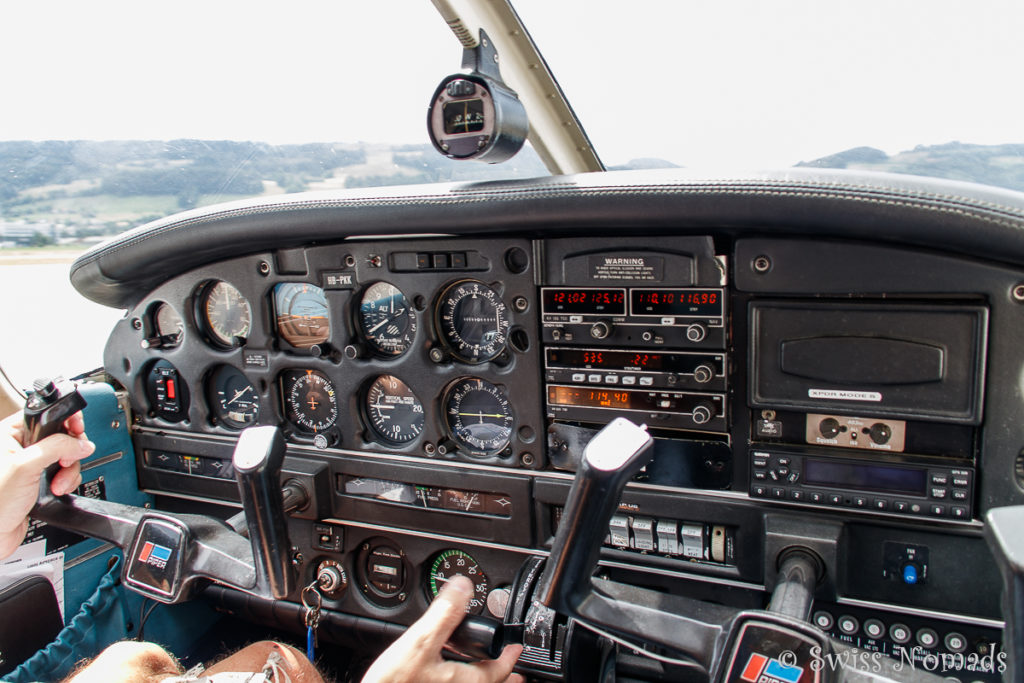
<point>118,112</point>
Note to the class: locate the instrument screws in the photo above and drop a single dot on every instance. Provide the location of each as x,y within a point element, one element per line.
<point>526,459</point>
<point>436,355</point>
<point>136,324</point>
<point>429,449</point>
<point>1018,293</point>
<point>350,260</point>
<point>520,304</point>
<point>762,264</point>
<point>264,268</point>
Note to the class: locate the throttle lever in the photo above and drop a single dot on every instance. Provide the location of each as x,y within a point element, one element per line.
<point>483,637</point>
<point>611,458</point>
<point>49,404</point>
<point>257,461</point>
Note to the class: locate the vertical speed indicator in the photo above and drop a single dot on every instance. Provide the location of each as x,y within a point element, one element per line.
<point>472,320</point>
<point>393,412</point>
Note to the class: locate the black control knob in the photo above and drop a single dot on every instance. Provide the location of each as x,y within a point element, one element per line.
<point>880,433</point>
<point>702,413</point>
<point>703,373</point>
<point>696,332</point>
<point>829,427</point>
<point>601,329</point>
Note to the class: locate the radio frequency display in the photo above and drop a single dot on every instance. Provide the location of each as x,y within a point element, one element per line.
<point>682,302</point>
<point>585,301</point>
<point>610,398</point>
<point>627,360</point>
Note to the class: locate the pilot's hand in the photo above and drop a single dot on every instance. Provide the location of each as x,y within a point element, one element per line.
<point>21,468</point>
<point>416,655</point>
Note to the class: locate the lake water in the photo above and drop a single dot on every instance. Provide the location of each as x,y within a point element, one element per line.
<point>46,327</point>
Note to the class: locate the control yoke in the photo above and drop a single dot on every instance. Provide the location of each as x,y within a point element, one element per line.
<point>169,556</point>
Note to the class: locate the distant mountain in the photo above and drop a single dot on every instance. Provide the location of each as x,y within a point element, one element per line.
<point>87,188</point>
<point>82,188</point>
<point>999,165</point>
<point>644,163</point>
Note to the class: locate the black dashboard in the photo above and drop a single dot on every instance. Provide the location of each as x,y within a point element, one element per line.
<point>826,347</point>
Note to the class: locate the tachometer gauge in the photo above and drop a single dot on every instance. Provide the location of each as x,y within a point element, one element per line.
<point>233,398</point>
<point>451,563</point>
<point>393,412</point>
<point>472,320</point>
<point>223,314</point>
<point>386,319</point>
<point>478,415</point>
<point>303,319</point>
<point>310,401</point>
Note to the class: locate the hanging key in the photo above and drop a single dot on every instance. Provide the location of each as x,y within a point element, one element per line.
<point>312,602</point>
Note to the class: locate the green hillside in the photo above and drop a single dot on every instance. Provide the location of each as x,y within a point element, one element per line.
<point>999,165</point>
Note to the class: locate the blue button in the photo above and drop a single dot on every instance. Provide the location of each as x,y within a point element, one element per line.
<point>910,574</point>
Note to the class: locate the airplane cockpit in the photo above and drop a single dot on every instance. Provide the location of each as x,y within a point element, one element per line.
<point>673,424</point>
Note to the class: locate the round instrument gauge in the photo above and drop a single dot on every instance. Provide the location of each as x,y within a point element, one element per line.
<point>451,563</point>
<point>393,412</point>
<point>478,415</point>
<point>386,319</point>
<point>310,401</point>
<point>472,320</point>
<point>233,398</point>
<point>223,314</point>
<point>168,328</point>
<point>303,319</point>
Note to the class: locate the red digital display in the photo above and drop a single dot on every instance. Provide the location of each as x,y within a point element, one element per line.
<point>682,363</point>
<point>585,301</point>
<point>671,302</point>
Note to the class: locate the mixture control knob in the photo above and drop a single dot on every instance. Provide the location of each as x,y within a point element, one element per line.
<point>601,329</point>
<point>696,332</point>
<point>331,577</point>
<point>702,412</point>
<point>829,427</point>
<point>703,373</point>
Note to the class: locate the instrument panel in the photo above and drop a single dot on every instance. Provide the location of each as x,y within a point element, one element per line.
<point>438,389</point>
<point>341,358</point>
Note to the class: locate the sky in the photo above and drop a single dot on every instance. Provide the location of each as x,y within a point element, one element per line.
<point>737,83</point>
